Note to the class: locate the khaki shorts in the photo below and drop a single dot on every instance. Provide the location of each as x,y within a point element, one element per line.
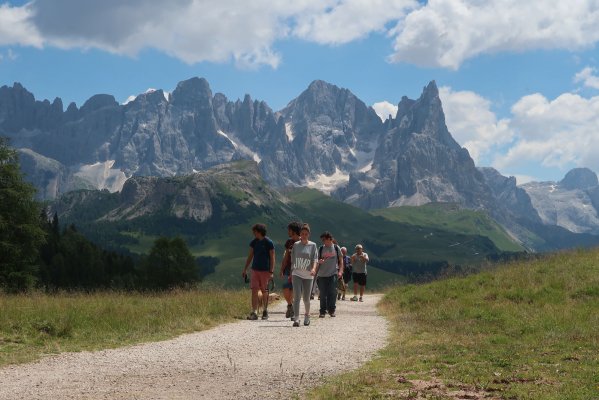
<point>259,280</point>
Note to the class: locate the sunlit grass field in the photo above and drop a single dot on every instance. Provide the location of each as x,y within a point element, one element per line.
<point>37,324</point>
<point>529,330</point>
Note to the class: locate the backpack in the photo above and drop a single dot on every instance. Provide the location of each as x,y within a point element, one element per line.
<point>337,250</point>
<point>347,270</point>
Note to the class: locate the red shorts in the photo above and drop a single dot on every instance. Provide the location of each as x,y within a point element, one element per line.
<point>259,279</point>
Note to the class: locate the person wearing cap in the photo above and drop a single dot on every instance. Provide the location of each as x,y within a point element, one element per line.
<point>358,261</point>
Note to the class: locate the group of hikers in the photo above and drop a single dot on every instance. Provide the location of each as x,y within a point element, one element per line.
<point>302,261</point>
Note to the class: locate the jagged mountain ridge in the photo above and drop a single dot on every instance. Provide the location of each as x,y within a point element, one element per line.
<point>571,203</point>
<point>193,130</point>
<point>326,138</point>
<point>222,193</point>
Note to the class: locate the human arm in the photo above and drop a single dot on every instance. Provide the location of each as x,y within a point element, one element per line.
<point>315,262</point>
<point>341,265</point>
<point>247,262</point>
<point>284,261</point>
<point>272,261</point>
<point>314,269</point>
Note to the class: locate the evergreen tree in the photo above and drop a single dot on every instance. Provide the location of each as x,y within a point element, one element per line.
<point>170,264</point>
<point>20,232</point>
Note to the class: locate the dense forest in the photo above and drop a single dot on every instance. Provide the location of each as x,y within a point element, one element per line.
<point>35,252</point>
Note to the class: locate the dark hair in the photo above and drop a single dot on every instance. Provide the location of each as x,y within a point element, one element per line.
<point>326,235</point>
<point>295,227</point>
<point>305,227</point>
<point>260,228</point>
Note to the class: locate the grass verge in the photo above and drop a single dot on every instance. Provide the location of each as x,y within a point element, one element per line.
<point>523,331</point>
<point>35,325</point>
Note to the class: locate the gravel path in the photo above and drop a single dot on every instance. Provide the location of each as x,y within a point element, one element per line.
<point>224,362</point>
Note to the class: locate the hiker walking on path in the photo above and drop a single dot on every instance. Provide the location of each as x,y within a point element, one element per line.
<point>359,260</point>
<point>293,230</point>
<point>330,269</point>
<point>304,259</point>
<point>346,278</point>
<point>262,257</point>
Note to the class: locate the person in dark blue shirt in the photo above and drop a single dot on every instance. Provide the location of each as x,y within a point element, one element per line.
<point>262,258</point>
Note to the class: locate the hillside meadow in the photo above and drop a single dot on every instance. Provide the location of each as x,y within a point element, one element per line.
<point>34,325</point>
<point>524,331</point>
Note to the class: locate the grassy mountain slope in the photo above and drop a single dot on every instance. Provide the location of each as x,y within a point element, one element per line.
<point>526,331</point>
<point>214,211</point>
<point>452,218</point>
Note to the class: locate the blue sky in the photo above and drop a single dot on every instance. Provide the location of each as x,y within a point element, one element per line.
<point>519,81</point>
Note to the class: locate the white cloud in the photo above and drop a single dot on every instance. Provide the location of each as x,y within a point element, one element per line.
<point>196,30</point>
<point>558,133</point>
<point>587,77</point>
<point>439,33</point>
<point>472,123</point>
<point>348,20</point>
<point>522,179</point>
<point>539,134</point>
<point>16,27</point>
<point>383,109</point>
<point>445,33</point>
<point>11,55</point>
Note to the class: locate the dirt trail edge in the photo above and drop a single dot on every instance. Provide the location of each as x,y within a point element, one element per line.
<point>224,362</point>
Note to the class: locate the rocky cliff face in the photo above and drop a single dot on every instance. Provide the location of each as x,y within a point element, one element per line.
<point>571,203</point>
<point>417,161</point>
<point>223,190</point>
<point>326,138</point>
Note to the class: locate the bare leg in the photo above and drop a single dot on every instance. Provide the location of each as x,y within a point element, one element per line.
<point>255,299</point>
<point>355,289</point>
<point>288,294</point>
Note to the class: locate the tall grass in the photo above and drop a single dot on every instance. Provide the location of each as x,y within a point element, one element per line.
<point>36,324</point>
<point>529,330</point>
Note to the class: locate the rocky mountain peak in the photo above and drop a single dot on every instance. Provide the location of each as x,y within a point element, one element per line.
<point>431,90</point>
<point>97,102</point>
<point>191,91</point>
<point>579,178</point>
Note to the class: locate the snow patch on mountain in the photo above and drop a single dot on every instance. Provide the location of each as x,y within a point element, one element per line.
<point>364,155</point>
<point>235,145</point>
<point>289,132</point>
<point>103,176</point>
<point>131,98</point>
<point>328,183</point>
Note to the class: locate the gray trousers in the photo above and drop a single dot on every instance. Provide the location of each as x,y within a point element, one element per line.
<point>301,288</point>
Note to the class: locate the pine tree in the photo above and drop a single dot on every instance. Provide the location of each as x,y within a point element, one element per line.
<point>20,232</point>
<point>170,264</point>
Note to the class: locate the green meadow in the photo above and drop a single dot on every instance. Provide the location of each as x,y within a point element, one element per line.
<point>34,325</point>
<point>452,218</point>
<point>527,330</point>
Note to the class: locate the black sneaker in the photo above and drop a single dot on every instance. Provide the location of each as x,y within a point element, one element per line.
<point>296,323</point>
<point>265,314</point>
<point>321,315</point>
<point>306,320</point>
<point>253,316</point>
<point>332,314</point>
<point>338,296</point>
<point>289,312</point>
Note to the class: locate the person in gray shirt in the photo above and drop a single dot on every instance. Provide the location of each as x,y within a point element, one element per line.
<point>304,259</point>
<point>330,269</point>
<point>358,261</point>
